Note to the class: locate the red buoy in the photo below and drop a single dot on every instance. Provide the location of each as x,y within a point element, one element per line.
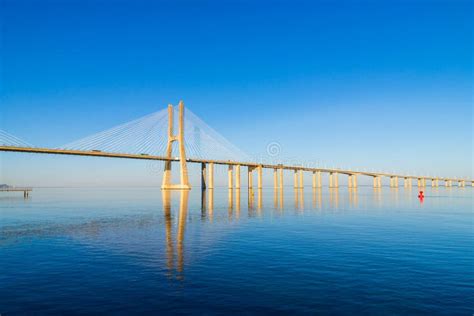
<point>421,196</point>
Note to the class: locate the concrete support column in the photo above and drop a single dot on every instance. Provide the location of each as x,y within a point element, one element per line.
<point>354,181</point>
<point>395,182</point>
<point>419,183</point>
<point>376,182</point>
<point>319,182</point>
<point>275,178</point>
<point>250,177</point>
<point>405,182</point>
<point>281,178</point>
<point>295,179</point>
<point>331,180</point>
<point>379,181</point>
<point>237,177</point>
<point>314,179</point>
<point>349,181</point>
<point>230,173</point>
<point>210,184</point>
<point>203,176</point>
<point>301,179</point>
<point>335,180</point>
<point>259,177</point>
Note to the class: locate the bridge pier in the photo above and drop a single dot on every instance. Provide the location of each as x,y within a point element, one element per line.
<point>377,181</point>
<point>259,177</point>
<point>250,177</point>
<point>203,176</point>
<point>275,178</point>
<point>420,183</point>
<point>230,174</point>
<point>333,180</point>
<point>281,178</point>
<point>211,176</point>
<point>316,179</point>
<point>394,182</point>
<point>295,179</point>
<point>349,181</point>
<point>354,181</point>
<point>301,179</point>
<point>237,177</point>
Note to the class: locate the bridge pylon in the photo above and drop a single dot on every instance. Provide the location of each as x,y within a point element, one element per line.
<point>184,178</point>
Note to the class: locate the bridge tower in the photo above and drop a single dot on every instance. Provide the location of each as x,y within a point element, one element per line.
<point>184,179</point>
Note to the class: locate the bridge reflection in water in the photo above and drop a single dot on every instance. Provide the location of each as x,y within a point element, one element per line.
<point>259,203</point>
<point>177,260</point>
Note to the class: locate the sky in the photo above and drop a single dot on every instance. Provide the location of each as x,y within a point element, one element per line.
<point>369,85</point>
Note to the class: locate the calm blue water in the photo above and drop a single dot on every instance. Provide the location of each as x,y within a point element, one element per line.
<point>336,252</point>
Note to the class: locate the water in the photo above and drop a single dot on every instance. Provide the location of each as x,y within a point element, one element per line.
<point>136,251</point>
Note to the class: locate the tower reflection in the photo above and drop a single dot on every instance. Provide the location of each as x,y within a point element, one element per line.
<point>171,257</point>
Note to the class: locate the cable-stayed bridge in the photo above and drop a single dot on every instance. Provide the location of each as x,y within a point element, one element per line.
<point>152,137</point>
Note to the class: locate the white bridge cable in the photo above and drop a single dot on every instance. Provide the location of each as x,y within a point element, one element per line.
<point>125,138</point>
<point>214,140</point>
<point>148,135</point>
<point>7,139</point>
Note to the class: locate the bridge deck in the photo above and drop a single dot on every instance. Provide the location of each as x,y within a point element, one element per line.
<point>217,162</point>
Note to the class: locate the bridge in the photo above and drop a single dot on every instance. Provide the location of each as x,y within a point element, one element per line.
<point>205,137</point>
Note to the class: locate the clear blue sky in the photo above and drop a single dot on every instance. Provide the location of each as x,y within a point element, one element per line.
<point>384,85</point>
